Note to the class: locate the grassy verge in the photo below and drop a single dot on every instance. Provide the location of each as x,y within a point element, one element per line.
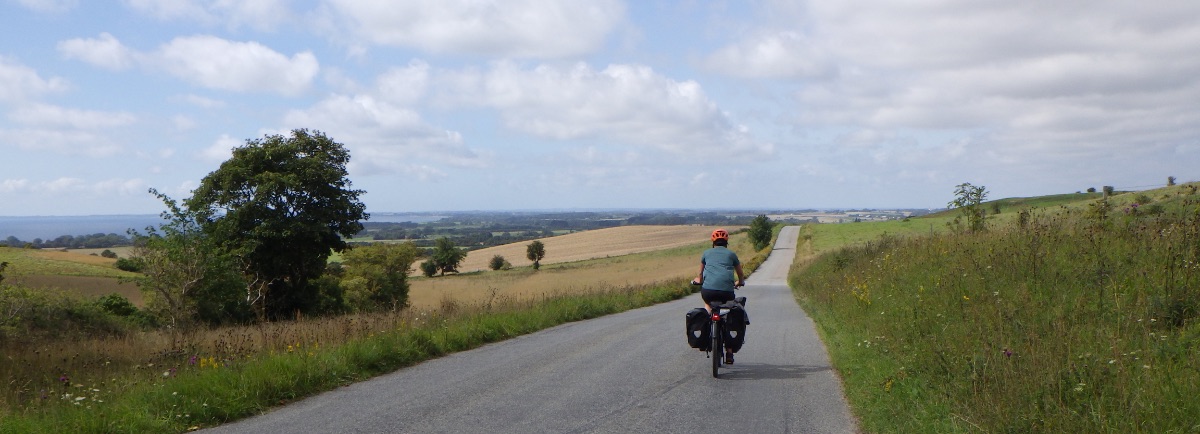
<point>1075,321</point>
<point>208,383</point>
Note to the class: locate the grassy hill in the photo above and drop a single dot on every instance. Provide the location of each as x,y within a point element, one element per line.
<point>1081,316</point>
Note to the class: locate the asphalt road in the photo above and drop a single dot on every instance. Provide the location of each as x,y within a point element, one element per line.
<point>629,372</point>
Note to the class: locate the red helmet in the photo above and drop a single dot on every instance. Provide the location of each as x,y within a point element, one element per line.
<point>720,234</point>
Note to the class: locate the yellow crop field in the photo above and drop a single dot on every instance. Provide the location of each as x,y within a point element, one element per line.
<point>600,243</point>
<point>598,259</point>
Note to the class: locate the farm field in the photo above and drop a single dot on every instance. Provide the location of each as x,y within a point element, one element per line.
<point>628,255</point>
<point>79,273</point>
<point>600,243</point>
<point>579,262</point>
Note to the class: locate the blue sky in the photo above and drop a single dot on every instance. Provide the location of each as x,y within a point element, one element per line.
<point>523,104</point>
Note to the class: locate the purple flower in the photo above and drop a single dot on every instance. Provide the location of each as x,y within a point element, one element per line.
<point>192,361</point>
<point>1007,353</point>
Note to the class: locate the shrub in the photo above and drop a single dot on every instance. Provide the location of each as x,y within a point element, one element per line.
<point>116,304</point>
<point>498,263</point>
<point>108,254</point>
<point>133,265</point>
<point>429,268</point>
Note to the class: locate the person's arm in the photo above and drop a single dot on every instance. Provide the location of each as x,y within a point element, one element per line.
<point>741,277</point>
<point>700,277</point>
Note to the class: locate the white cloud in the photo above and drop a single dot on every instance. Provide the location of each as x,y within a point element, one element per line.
<point>14,185</point>
<point>66,185</point>
<point>239,66</point>
<point>627,103</point>
<point>49,6</point>
<point>1024,81</point>
<point>183,123</point>
<point>520,28</point>
<point>404,86</point>
<point>45,115</point>
<point>60,141</point>
<point>203,102</point>
<point>209,61</point>
<point>782,54</point>
<point>221,149</point>
<point>171,9</point>
<point>106,52</point>
<point>257,14</point>
<point>19,82</point>
<point>384,137</point>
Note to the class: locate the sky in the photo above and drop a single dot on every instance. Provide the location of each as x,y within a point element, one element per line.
<point>459,105</point>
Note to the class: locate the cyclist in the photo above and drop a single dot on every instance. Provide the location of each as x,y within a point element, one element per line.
<point>717,268</point>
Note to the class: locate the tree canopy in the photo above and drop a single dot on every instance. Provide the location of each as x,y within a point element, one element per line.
<point>760,231</point>
<point>535,251</point>
<point>445,258</point>
<point>281,205</point>
<point>377,275</point>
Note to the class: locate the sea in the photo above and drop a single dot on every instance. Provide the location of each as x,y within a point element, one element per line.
<point>28,228</point>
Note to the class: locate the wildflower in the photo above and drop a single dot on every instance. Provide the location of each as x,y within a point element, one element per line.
<point>966,298</point>
<point>193,360</point>
<point>1007,352</point>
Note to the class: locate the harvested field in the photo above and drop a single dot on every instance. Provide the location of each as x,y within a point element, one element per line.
<point>89,287</point>
<point>600,243</point>
<point>657,265</point>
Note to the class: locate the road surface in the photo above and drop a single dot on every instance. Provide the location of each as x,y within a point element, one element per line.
<point>623,373</point>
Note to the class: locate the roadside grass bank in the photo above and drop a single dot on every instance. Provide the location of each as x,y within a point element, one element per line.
<point>1081,318</point>
<point>219,376</point>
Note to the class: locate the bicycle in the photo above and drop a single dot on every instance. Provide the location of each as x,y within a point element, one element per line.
<point>720,329</point>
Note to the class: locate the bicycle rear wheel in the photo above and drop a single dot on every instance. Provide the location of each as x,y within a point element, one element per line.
<point>718,347</point>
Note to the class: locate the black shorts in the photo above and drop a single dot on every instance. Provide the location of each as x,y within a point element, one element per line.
<point>711,296</point>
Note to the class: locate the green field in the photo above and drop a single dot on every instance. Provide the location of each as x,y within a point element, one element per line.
<point>1074,320</point>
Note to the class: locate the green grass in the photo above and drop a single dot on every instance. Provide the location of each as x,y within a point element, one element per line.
<point>223,379</point>
<point>1071,323</point>
<point>25,262</point>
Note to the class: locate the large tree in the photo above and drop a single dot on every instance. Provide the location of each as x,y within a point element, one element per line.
<point>281,205</point>
<point>535,251</point>
<point>445,257</point>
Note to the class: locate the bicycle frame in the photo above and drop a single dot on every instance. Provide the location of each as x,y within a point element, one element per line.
<point>717,334</point>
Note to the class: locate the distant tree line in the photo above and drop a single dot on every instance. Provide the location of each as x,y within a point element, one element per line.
<point>93,241</point>
<point>480,229</point>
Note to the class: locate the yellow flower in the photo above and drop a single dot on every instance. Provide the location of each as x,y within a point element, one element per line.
<point>966,298</point>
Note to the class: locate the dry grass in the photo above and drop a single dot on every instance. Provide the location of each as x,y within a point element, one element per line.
<point>600,243</point>
<point>88,287</point>
<point>679,262</point>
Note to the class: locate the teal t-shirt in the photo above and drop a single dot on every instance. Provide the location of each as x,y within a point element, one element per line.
<point>719,272</point>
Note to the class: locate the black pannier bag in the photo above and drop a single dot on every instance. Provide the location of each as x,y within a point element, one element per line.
<point>735,328</point>
<point>697,329</point>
